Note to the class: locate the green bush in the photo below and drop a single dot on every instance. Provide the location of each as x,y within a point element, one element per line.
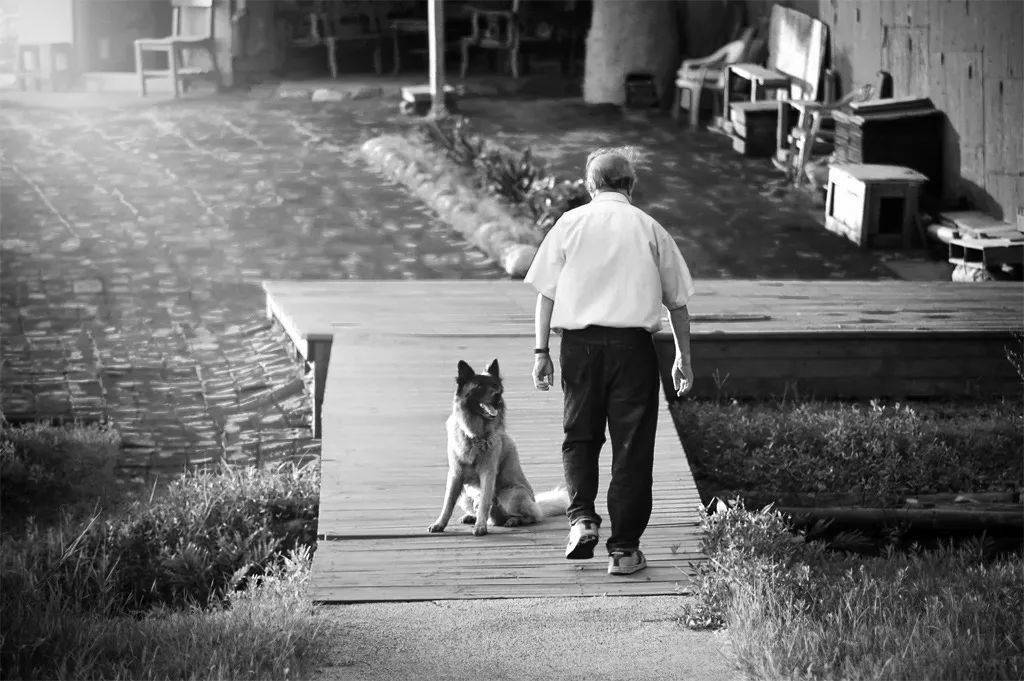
<point>268,631</point>
<point>517,177</point>
<point>83,591</point>
<point>190,546</point>
<point>796,611</point>
<point>851,453</point>
<point>46,470</point>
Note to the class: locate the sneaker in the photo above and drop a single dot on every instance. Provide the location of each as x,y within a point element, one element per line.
<point>624,562</point>
<point>582,540</point>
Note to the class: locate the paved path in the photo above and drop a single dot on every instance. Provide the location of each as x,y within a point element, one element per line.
<point>575,639</point>
<point>133,243</point>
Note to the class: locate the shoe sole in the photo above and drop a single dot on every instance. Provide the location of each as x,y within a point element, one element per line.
<point>627,571</point>
<point>584,548</point>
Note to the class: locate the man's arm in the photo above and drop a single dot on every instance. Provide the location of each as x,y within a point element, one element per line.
<point>543,368</point>
<point>682,368</point>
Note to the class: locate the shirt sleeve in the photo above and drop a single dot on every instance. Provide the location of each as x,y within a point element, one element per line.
<point>547,264</point>
<point>676,282</point>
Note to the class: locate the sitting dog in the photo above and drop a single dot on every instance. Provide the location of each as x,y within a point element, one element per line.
<point>484,473</point>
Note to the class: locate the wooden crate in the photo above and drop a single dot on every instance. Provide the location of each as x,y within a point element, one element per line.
<point>873,205</point>
<point>754,127</point>
<point>910,138</point>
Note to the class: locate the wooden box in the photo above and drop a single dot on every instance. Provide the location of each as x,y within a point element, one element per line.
<point>897,135</point>
<point>873,205</point>
<point>753,127</point>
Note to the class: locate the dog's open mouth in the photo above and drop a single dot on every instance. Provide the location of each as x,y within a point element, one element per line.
<point>489,411</point>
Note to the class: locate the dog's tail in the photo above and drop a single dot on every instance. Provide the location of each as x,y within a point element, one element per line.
<point>553,502</point>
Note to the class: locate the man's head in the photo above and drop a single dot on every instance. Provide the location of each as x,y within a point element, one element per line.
<point>610,170</point>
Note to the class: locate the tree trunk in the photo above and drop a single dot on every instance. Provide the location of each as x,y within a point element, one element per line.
<point>629,37</point>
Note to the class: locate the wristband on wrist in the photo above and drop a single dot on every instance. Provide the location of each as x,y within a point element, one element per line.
<point>540,351</point>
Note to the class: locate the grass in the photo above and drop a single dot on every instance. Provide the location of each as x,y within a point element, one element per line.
<point>850,453</point>
<point>204,581</point>
<point>795,610</point>
<point>48,470</point>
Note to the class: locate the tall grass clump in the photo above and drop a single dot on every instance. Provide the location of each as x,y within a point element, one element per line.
<point>852,453</point>
<point>48,470</point>
<point>203,581</point>
<point>268,631</point>
<point>795,610</point>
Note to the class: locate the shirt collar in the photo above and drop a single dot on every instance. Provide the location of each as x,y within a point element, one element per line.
<point>610,196</point>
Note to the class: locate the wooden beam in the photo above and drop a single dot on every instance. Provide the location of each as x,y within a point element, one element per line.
<point>435,19</point>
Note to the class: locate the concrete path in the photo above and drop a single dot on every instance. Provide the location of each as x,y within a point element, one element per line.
<point>585,639</point>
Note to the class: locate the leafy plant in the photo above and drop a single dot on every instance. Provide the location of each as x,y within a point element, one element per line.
<point>796,611</point>
<point>517,177</point>
<point>851,453</point>
<point>46,468</point>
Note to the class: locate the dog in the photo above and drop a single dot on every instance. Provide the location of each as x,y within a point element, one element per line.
<point>485,476</point>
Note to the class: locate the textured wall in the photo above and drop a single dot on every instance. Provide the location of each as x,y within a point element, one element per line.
<point>967,56</point>
<point>626,37</point>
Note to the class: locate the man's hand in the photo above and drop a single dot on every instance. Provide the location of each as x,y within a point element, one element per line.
<point>682,376</point>
<point>543,371</point>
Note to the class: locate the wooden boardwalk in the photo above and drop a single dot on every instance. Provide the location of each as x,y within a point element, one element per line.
<point>386,391</point>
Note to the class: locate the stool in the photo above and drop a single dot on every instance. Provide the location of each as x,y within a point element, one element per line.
<point>873,205</point>
<point>48,63</point>
<point>762,81</point>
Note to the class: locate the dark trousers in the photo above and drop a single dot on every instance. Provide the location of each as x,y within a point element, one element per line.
<point>610,376</point>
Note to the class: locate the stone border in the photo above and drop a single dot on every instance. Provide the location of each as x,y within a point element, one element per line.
<point>483,220</point>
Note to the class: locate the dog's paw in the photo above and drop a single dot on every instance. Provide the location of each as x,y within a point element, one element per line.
<point>468,519</point>
<point>513,521</point>
<point>479,530</point>
<point>436,527</point>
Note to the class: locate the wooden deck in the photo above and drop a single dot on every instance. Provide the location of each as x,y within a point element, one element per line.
<point>847,339</point>
<point>386,391</point>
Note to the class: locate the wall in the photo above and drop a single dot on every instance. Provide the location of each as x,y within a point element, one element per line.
<point>967,56</point>
<point>629,37</point>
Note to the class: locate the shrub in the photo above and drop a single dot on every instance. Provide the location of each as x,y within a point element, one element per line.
<point>269,631</point>
<point>515,176</point>
<point>796,611</point>
<point>94,595</point>
<point>47,470</point>
<point>190,546</point>
<point>852,453</point>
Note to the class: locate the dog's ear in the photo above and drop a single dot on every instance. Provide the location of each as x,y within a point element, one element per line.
<point>493,369</point>
<point>465,373</point>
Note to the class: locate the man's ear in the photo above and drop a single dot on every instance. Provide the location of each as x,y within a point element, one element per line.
<point>493,369</point>
<point>465,373</point>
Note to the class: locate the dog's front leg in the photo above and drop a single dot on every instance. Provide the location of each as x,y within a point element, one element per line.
<point>483,510</point>
<point>452,490</point>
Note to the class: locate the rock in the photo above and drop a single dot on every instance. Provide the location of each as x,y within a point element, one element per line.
<point>517,260</point>
<point>328,95</point>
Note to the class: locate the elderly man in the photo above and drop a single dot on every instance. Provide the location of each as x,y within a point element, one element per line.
<point>602,275</point>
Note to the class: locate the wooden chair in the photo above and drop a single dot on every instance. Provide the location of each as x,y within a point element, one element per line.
<point>809,129</point>
<point>331,24</point>
<point>174,45</point>
<point>796,53</point>
<point>493,30</point>
<point>708,73</point>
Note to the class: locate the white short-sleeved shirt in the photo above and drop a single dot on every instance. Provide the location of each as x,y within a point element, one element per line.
<point>608,263</point>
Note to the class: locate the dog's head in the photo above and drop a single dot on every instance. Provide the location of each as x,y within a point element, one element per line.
<point>480,394</point>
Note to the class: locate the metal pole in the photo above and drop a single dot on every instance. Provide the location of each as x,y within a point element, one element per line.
<point>435,17</point>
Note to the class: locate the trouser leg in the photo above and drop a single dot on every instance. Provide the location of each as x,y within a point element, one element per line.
<point>584,425</point>
<point>632,421</point>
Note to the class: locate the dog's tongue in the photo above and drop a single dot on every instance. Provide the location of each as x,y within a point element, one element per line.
<point>489,410</point>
